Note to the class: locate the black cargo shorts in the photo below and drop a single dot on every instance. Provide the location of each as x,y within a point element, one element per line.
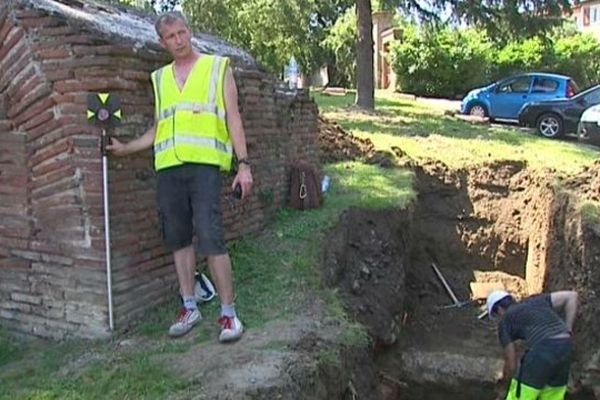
<point>189,202</point>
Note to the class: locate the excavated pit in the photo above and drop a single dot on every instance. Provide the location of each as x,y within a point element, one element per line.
<point>493,227</point>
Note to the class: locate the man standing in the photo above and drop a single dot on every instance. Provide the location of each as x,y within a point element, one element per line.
<point>197,123</point>
<point>544,369</point>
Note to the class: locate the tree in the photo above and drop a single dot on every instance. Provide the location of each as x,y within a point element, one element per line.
<point>365,78</point>
<point>503,19</point>
<point>272,30</point>
<point>151,5</point>
<point>341,42</point>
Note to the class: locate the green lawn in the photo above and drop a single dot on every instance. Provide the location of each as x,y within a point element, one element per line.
<point>276,275</point>
<point>425,133</point>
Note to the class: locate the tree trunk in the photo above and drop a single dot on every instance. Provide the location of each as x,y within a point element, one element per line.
<point>365,87</point>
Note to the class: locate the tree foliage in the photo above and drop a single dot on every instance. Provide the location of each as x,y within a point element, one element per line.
<point>448,63</point>
<point>434,63</point>
<point>578,55</point>
<point>272,30</point>
<point>341,42</point>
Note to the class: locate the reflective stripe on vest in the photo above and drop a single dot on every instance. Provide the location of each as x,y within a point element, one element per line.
<point>192,107</point>
<point>210,143</point>
<point>191,123</point>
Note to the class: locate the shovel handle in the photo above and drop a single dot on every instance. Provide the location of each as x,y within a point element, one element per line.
<point>445,283</point>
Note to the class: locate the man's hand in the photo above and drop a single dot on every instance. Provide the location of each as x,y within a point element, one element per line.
<point>143,142</point>
<point>244,179</point>
<point>117,148</point>
<point>501,388</point>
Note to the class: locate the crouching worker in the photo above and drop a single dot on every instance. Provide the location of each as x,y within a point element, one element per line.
<point>543,372</point>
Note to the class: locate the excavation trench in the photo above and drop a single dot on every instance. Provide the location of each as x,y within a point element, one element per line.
<point>489,228</point>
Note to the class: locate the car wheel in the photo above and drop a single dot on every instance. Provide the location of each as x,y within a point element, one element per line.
<point>550,126</point>
<point>478,110</point>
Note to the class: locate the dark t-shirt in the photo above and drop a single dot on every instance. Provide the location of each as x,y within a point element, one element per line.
<point>532,321</point>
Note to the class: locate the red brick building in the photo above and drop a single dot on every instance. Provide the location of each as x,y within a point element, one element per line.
<point>53,279</point>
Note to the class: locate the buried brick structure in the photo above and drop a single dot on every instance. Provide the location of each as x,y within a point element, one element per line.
<point>53,280</point>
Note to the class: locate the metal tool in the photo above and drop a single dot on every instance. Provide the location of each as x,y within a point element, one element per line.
<point>455,302</point>
<point>457,305</point>
<point>104,111</point>
<point>445,283</point>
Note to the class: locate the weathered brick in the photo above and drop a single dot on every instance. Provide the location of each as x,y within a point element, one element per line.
<point>36,22</point>
<point>26,298</point>
<point>60,31</point>
<point>10,305</point>
<point>38,93</point>
<point>13,37</point>
<point>62,200</point>
<point>52,150</point>
<point>85,315</point>
<point>29,121</point>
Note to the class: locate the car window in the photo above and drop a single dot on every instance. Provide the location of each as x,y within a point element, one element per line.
<point>573,86</point>
<point>519,85</point>
<point>593,97</point>
<point>544,85</point>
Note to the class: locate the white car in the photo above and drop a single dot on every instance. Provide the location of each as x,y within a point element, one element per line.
<point>589,125</point>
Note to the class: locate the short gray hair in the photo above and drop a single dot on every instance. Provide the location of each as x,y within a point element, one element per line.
<point>168,18</point>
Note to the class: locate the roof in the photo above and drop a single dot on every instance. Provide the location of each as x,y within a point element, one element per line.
<point>547,74</point>
<point>584,3</point>
<point>133,25</point>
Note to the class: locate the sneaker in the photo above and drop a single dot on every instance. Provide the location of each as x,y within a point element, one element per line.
<point>231,329</point>
<point>186,319</point>
<point>204,290</point>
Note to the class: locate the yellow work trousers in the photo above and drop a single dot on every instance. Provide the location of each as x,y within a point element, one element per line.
<point>530,393</point>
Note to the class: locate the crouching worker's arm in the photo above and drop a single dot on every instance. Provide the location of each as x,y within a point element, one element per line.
<point>508,371</point>
<point>567,301</point>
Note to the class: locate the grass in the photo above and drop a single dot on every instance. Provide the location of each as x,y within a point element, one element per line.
<point>425,133</point>
<point>276,274</point>
<point>280,268</point>
<point>590,214</point>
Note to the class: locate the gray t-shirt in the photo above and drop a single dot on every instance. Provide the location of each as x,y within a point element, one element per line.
<point>531,320</point>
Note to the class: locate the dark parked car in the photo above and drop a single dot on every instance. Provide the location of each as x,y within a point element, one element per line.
<point>504,99</point>
<point>589,125</point>
<point>554,118</point>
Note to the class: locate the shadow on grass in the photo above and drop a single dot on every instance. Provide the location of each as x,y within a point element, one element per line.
<point>329,103</point>
<point>425,125</point>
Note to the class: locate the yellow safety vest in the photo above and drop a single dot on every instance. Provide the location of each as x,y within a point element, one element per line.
<point>191,124</point>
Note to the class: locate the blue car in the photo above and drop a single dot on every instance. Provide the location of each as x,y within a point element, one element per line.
<point>504,99</point>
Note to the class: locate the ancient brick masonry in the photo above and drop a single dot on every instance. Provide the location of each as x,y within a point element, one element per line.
<point>52,261</point>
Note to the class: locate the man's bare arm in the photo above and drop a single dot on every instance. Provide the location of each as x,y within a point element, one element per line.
<point>238,136</point>
<point>143,142</point>
<point>566,300</point>
<point>510,362</point>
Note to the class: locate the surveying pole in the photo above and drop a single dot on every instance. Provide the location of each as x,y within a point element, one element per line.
<point>104,111</point>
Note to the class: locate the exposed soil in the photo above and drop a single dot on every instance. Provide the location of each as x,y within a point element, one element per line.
<point>366,258</point>
<point>284,360</point>
<point>496,226</point>
<point>336,145</point>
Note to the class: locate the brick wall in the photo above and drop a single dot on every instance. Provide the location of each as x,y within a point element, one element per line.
<point>52,262</point>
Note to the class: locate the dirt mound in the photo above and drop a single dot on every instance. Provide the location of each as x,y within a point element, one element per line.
<point>365,256</point>
<point>587,183</point>
<point>286,359</point>
<point>497,224</point>
<point>337,145</point>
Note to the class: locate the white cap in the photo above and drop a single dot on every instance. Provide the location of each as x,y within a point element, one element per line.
<point>493,298</point>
